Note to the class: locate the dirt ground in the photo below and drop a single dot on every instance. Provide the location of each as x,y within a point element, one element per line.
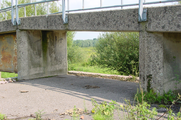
<point>55,95</point>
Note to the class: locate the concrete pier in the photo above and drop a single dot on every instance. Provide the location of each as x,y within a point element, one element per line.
<point>41,53</point>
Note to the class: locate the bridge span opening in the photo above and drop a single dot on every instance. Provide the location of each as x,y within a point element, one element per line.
<point>108,52</point>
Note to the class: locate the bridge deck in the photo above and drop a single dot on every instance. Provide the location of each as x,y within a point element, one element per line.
<point>160,19</point>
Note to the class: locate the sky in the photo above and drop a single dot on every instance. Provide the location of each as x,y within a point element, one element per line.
<point>77,4</point>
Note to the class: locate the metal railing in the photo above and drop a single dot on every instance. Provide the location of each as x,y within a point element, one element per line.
<point>14,8</point>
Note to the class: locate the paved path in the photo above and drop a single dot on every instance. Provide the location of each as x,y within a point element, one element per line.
<point>55,95</point>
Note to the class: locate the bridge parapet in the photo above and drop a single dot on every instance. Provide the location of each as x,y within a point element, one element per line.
<point>160,19</point>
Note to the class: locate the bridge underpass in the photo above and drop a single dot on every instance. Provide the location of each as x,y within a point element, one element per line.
<point>42,50</point>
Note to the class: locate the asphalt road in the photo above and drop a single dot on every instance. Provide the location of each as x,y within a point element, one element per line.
<point>55,95</point>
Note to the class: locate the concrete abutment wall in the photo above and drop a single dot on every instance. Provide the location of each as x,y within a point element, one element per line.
<point>41,53</point>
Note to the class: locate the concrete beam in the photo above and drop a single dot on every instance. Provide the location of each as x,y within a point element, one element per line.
<point>7,27</point>
<point>164,19</point>
<point>117,20</point>
<point>160,19</point>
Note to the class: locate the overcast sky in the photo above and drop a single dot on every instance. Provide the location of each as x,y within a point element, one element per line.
<point>77,4</point>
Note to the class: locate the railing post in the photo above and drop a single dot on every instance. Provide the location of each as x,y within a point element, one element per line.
<point>142,13</point>
<point>121,4</point>
<point>5,16</point>
<point>0,8</point>
<point>68,5</point>
<point>12,13</point>
<point>64,16</point>
<point>47,8</point>
<point>17,13</point>
<point>0,4</point>
<point>82,4</point>
<point>35,10</point>
<point>100,3</point>
<point>24,11</point>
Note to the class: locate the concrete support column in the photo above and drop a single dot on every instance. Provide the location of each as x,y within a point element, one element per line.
<point>41,53</point>
<point>159,61</point>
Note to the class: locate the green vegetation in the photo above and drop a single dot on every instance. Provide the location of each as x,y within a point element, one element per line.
<point>38,115</point>
<point>103,111</point>
<point>93,69</point>
<point>30,10</point>
<point>152,97</point>
<point>85,43</point>
<point>118,51</point>
<point>2,117</point>
<point>140,111</point>
<point>114,53</point>
<point>8,75</point>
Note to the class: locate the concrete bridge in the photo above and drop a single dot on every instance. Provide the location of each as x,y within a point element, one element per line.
<point>38,47</point>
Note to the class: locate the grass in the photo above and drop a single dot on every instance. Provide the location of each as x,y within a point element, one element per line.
<point>93,69</point>
<point>8,75</point>
<point>83,65</point>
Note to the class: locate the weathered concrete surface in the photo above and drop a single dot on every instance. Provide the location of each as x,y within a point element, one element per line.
<point>8,52</point>
<point>41,54</point>
<point>164,19</point>
<point>159,61</point>
<point>160,19</point>
<point>171,61</point>
<point>7,27</point>
<point>151,61</point>
<point>119,20</point>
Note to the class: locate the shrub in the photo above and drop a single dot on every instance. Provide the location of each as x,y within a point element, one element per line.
<point>75,54</point>
<point>118,51</point>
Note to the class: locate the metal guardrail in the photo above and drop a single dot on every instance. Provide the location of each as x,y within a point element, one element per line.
<point>14,8</point>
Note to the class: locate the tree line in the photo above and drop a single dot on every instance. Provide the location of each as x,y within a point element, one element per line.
<point>85,43</point>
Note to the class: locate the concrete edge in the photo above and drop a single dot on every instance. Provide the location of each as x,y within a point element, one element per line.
<point>106,76</point>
